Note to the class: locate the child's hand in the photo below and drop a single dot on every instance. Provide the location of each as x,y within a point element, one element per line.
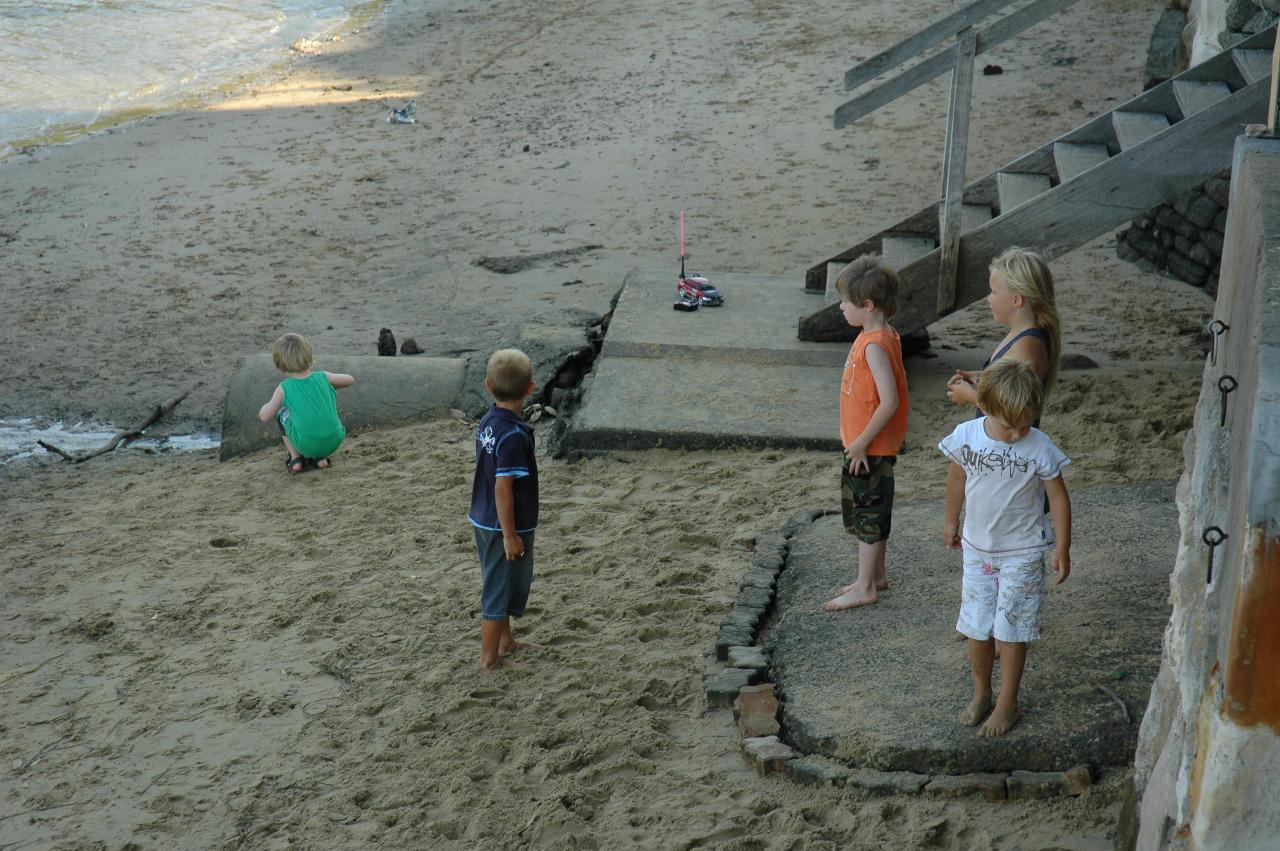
<point>857,460</point>
<point>514,545</point>
<point>1061,565</point>
<point>960,388</point>
<point>951,535</point>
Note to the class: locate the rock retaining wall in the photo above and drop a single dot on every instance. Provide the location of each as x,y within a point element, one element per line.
<point>1183,237</point>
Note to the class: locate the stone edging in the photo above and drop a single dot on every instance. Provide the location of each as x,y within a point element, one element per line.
<point>740,681</point>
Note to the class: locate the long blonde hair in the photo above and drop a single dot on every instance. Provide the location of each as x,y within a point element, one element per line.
<point>1026,274</point>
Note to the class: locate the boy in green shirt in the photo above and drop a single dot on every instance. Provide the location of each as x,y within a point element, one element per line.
<point>305,405</point>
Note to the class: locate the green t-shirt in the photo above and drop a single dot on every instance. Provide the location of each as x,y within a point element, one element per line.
<point>313,426</point>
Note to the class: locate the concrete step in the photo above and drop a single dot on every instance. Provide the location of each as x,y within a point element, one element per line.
<point>1134,128</point>
<point>1073,158</point>
<point>899,252</point>
<point>1194,96</point>
<point>1016,188</point>
<point>1254,65</point>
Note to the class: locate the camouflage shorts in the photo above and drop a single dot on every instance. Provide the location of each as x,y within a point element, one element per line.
<point>866,499</point>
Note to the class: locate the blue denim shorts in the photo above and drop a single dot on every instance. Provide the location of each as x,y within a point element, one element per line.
<point>505,589</point>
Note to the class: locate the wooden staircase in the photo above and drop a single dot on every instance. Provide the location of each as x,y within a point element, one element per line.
<point>1077,187</point>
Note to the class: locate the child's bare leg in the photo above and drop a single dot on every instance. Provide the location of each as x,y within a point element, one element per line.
<point>1013,657</point>
<point>507,643</point>
<point>881,581</point>
<point>490,639</point>
<point>981,660</point>
<point>863,592</point>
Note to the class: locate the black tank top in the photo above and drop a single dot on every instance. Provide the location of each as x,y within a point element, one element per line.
<point>1041,335</point>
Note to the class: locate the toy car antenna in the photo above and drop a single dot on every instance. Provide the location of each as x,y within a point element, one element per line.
<point>682,243</point>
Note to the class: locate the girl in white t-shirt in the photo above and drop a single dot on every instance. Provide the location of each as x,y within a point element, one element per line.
<point>1001,471</point>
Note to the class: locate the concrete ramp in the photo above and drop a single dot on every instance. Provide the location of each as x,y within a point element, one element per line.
<point>719,376</point>
<point>882,687</point>
<point>389,391</point>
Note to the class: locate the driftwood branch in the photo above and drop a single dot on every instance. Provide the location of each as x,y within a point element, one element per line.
<point>125,436</point>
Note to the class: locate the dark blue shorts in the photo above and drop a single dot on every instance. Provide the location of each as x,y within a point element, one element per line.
<point>505,589</point>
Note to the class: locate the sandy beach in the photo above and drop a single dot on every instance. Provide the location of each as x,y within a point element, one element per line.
<point>217,655</point>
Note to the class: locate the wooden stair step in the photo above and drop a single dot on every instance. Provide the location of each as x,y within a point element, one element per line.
<point>974,216</point>
<point>1017,188</point>
<point>898,252</point>
<point>1194,96</point>
<point>1074,158</point>
<point>1134,128</point>
<point>1254,65</point>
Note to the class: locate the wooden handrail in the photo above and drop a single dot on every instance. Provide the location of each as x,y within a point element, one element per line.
<point>1002,30</point>
<point>930,36</point>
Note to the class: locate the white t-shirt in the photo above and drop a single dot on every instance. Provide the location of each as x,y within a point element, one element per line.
<point>1004,489</point>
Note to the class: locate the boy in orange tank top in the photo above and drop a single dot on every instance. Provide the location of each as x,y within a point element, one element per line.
<point>873,422</point>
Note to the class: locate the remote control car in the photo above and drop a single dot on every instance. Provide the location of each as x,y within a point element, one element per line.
<point>696,287</point>
<point>685,305</point>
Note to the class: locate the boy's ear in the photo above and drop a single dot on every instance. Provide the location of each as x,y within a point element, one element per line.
<point>528,391</point>
<point>488,384</point>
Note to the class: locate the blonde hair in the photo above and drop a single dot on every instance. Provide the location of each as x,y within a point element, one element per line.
<point>1026,274</point>
<point>868,279</point>
<point>1010,390</point>
<point>292,353</point>
<point>509,373</point>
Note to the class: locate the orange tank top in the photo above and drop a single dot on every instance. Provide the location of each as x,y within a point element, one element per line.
<point>859,397</point>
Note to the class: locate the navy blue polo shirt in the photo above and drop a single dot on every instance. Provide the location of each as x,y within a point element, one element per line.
<point>504,447</point>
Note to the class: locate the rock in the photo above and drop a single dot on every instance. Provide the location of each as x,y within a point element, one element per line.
<point>816,771</point>
<point>1219,189</point>
<point>1239,12</point>
<point>732,636</point>
<point>722,688</point>
<point>1077,361</point>
<point>386,343</point>
<point>410,347</point>
<point>1202,255</point>
<point>748,658</point>
<point>741,617</point>
<point>1220,222</point>
<point>1202,210</point>
<point>755,598</point>
<point>887,782</point>
<point>756,708</point>
<point>1212,240</point>
<point>800,520</point>
<point>1165,49</point>
<point>1187,269</point>
<point>916,343</point>
<point>1049,784</point>
<point>988,786</point>
<point>767,754</point>
<point>991,70</point>
<point>758,578</point>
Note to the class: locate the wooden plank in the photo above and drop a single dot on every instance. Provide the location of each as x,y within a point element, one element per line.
<point>1196,96</point>
<point>1252,64</point>
<point>1134,128</point>
<point>1073,158</point>
<point>973,216</point>
<point>1275,81</point>
<point>939,63</point>
<point>899,252</point>
<point>1017,188</point>
<point>953,166</point>
<point>932,35</point>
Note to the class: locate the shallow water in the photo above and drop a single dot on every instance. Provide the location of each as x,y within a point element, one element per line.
<point>67,65</point>
<point>18,438</point>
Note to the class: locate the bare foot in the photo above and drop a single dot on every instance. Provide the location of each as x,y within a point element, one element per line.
<point>506,648</point>
<point>322,464</point>
<point>978,707</point>
<point>490,667</point>
<point>999,722</point>
<point>881,585</point>
<point>851,600</point>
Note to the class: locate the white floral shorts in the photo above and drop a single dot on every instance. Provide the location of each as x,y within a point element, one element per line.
<point>1002,597</point>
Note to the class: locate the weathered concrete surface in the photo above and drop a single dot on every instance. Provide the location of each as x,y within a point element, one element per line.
<point>387,392</point>
<point>720,376</point>
<point>1209,749</point>
<point>881,687</point>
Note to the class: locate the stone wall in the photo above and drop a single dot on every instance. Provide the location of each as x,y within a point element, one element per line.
<point>1183,237</point>
<point>1209,746</point>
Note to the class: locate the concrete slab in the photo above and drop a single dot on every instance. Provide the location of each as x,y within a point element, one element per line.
<point>756,324</point>
<point>734,375</point>
<point>881,688</point>
<point>388,391</point>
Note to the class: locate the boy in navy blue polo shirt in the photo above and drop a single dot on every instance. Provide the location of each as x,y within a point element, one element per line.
<point>504,504</point>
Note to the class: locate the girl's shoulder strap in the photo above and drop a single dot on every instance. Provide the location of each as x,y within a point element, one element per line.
<point>1037,332</point>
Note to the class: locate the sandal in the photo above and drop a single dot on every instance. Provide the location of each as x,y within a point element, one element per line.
<point>295,463</point>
